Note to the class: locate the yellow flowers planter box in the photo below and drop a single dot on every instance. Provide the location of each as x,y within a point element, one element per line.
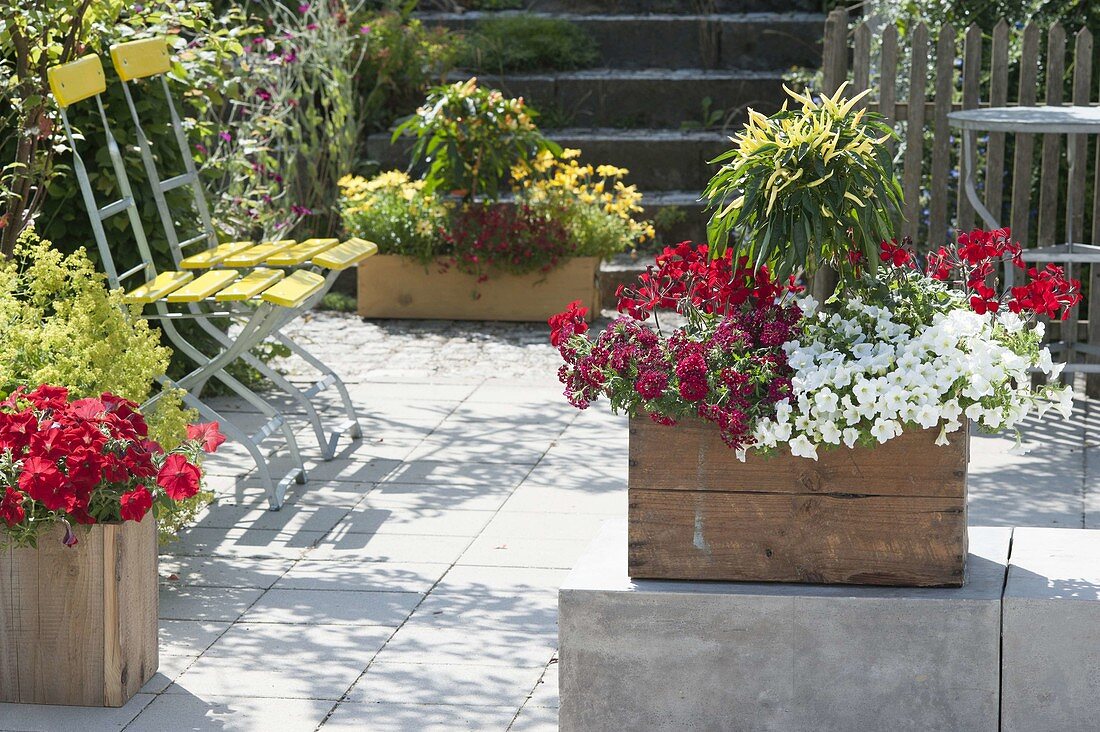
<point>392,286</point>
<point>78,625</point>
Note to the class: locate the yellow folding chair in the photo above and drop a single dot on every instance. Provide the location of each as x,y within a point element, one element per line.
<point>314,261</point>
<point>83,79</point>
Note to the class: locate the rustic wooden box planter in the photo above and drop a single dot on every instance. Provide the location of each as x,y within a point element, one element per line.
<point>893,514</point>
<point>79,625</point>
<point>392,286</point>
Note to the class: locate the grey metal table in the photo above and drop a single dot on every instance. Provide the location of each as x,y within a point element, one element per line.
<point>1035,120</point>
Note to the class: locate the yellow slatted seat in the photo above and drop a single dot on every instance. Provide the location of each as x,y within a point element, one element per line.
<point>77,80</point>
<point>161,285</point>
<point>204,286</point>
<point>256,254</point>
<point>139,59</point>
<point>301,252</point>
<point>295,289</point>
<point>251,285</point>
<point>213,256</point>
<point>345,255</point>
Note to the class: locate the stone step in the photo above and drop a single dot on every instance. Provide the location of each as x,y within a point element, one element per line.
<point>746,41</point>
<point>658,160</point>
<point>654,98</point>
<point>678,7</point>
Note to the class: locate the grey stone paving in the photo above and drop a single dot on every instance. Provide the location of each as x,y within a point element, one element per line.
<point>411,585</point>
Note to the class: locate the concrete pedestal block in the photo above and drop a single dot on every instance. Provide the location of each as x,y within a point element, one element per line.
<point>1051,647</point>
<point>666,655</point>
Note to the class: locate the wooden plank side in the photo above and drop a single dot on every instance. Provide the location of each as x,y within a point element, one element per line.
<point>914,134</point>
<point>971,97</point>
<point>941,141</point>
<point>130,634</point>
<point>705,463</point>
<point>1082,90</point>
<point>19,572</point>
<point>1024,144</point>
<point>1049,183</point>
<point>877,540</point>
<point>68,661</point>
<point>391,286</point>
<point>995,148</point>
<point>861,61</point>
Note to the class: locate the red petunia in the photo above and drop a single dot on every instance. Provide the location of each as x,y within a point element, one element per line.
<point>43,482</point>
<point>48,397</point>
<point>16,430</point>
<point>90,409</point>
<point>207,433</point>
<point>134,505</point>
<point>178,478</point>
<point>85,467</point>
<point>11,508</point>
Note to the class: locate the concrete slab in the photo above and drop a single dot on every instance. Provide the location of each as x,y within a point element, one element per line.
<point>1051,677</point>
<point>737,656</point>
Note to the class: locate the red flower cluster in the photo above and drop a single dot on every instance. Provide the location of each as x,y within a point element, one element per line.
<point>565,324</point>
<point>715,286</point>
<point>726,366</point>
<point>505,238</point>
<point>88,459</point>
<point>976,258</point>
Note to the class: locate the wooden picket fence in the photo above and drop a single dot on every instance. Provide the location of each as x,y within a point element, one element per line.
<point>951,70</point>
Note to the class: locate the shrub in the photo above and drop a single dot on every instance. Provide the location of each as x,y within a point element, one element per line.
<point>61,326</point>
<point>395,213</point>
<point>525,42</point>
<point>470,138</point>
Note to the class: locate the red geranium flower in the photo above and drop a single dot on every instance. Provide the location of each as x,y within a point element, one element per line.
<point>566,324</point>
<point>207,433</point>
<point>134,505</point>
<point>178,478</point>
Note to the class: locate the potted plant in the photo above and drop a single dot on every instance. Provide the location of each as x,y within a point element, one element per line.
<point>503,225</point>
<point>78,559</point>
<point>775,438</point>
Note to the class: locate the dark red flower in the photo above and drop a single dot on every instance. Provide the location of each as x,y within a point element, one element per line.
<point>16,430</point>
<point>43,482</point>
<point>178,477</point>
<point>134,505</point>
<point>48,397</point>
<point>567,323</point>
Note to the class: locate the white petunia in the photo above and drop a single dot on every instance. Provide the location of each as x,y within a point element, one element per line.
<point>802,447</point>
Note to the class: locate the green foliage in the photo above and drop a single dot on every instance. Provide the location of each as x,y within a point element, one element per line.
<point>404,58</point>
<point>339,302</point>
<point>529,43</point>
<point>396,213</point>
<point>807,187</point>
<point>470,137</point>
<point>61,326</point>
<point>667,219</point>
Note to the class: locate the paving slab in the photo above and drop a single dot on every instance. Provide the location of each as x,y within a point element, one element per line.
<point>396,717</point>
<point>451,684</point>
<point>390,547</point>
<point>695,655</point>
<point>38,718</point>
<point>353,574</point>
<point>429,521</point>
<point>207,571</point>
<point>198,713</point>
<point>1051,674</point>
<point>189,637</point>
<point>342,607</point>
<point>183,602</point>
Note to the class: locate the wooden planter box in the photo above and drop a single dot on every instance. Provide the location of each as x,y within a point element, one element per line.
<point>392,286</point>
<point>893,514</point>
<point>79,625</point>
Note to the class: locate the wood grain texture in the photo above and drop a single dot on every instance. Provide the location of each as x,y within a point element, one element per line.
<point>392,286</point>
<point>893,514</point>
<point>914,134</point>
<point>78,625</point>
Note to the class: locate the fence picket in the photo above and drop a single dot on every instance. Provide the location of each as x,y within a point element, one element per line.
<point>971,97</point>
<point>888,77</point>
<point>1052,144</point>
<point>861,61</point>
<point>1025,144</point>
<point>941,138</point>
<point>914,133</point>
<point>834,60</point>
<point>998,97</point>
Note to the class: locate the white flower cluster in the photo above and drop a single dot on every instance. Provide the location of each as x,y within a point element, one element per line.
<point>862,376</point>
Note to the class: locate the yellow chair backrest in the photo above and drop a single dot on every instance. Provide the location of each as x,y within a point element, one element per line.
<point>77,80</point>
<point>139,59</point>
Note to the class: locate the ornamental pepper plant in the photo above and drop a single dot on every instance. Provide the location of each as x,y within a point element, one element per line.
<point>87,461</point>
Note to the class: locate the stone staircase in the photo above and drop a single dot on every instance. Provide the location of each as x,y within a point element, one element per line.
<point>643,107</point>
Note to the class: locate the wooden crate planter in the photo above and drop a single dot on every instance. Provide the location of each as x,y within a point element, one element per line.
<point>79,625</point>
<point>893,514</point>
<point>392,286</point>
